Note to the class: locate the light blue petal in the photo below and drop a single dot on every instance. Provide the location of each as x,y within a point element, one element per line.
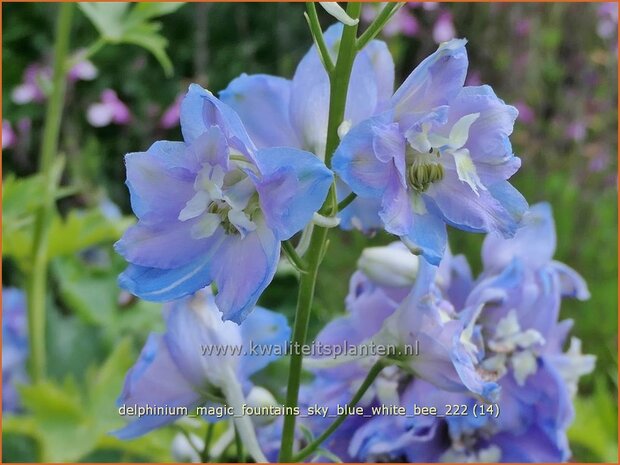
<point>498,209</point>
<point>242,269</point>
<point>155,381</point>
<point>160,181</point>
<point>428,233</point>
<point>488,140</point>
<point>200,110</point>
<point>309,105</point>
<point>310,94</point>
<point>267,329</point>
<point>262,102</point>
<point>534,242</point>
<point>355,161</point>
<point>162,285</point>
<point>396,208</point>
<point>572,283</point>
<point>166,246</point>
<point>193,322</point>
<point>435,81</point>
<point>383,68</point>
<point>292,186</point>
<point>361,214</point>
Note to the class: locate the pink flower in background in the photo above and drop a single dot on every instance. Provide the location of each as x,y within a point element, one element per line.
<point>576,131</point>
<point>83,70</point>
<point>402,23</point>
<point>170,118</point>
<point>526,113</point>
<point>523,27</point>
<point>608,20</point>
<point>430,6</point>
<point>8,135</point>
<point>443,30</point>
<point>37,79</point>
<point>109,110</point>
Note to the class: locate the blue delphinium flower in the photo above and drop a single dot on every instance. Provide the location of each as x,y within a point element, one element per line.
<point>214,208</point>
<point>440,154</point>
<point>200,360</point>
<point>14,346</point>
<point>293,113</point>
<point>406,316</point>
<point>523,341</point>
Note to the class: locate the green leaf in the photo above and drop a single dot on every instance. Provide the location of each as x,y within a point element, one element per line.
<point>144,11</point>
<point>146,36</point>
<point>61,421</point>
<point>80,285</point>
<point>108,18</point>
<point>21,196</point>
<point>68,422</point>
<point>595,426</point>
<point>80,230</point>
<point>117,23</point>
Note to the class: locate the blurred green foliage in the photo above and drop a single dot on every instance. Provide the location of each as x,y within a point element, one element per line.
<point>546,57</point>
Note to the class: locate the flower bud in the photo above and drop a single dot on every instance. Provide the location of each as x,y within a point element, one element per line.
<point>391,265</point>
<point>183,450</point>
<point>261,397</point>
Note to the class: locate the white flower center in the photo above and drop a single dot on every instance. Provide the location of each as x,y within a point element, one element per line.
<point>424,150</point>
<point>513,345</point>
<point>221,199</point>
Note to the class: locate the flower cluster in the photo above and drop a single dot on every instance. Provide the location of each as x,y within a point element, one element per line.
<point>431,154</point>
<point>252,171</point>
<point>215,208</point>
<point>173,371</point>
<point>494,340</point>
<point>440,154</point>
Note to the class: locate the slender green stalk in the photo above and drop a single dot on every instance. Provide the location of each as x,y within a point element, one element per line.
<point>88,53</point>
<point>370,378</point>
<point>190,441</point>
<point>376,26</point>
<point>347,201</point>
<point>317,35</point>
<point>290,252</point>
<point>49,146</point>
<point>339,83</point>
<point>204,455</point>
<point>239,447</point>
<point>307,285</point>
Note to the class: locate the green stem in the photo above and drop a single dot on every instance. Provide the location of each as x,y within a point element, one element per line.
<point>49,147</point>
<point>204,455</point>
<point>307,285</point>
<point>90,51</point>
<point>370,378</point>
<point>339,83</point>
<point>376,26</point>
<point>317,35</point>
<point>347,201</point>
<point>239,447</point>
<point>290,252</point>
<point>188,436</point>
